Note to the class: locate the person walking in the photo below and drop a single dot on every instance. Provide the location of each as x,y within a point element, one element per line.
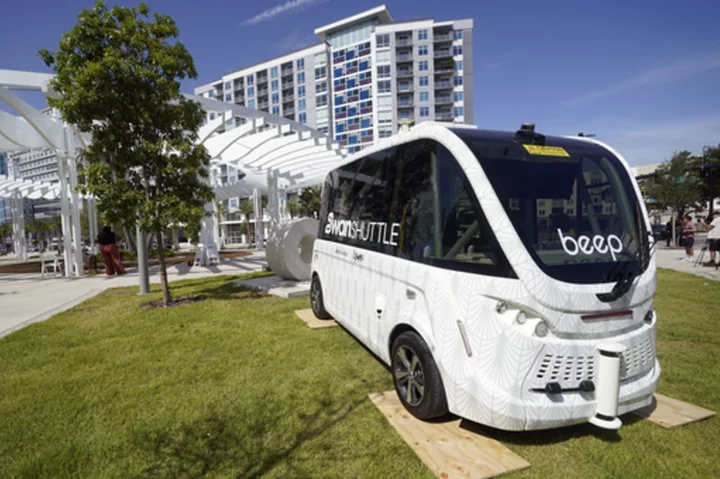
<point>668,233</point>
<point>111,255</point>
<point>687,239</point>
<point>713,238</point>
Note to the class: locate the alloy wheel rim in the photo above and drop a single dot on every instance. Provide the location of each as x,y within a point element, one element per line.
<point>314,294</point>
<point>409,375</point>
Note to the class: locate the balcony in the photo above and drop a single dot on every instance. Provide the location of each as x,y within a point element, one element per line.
<point>406,104</point>
<point>444,70</point>
<point>288,98</point>
<point>404,73</point>
<point>404,58</point>
<point>286,72</point>
<point>404,87</point>
<point>263,105</point>
<point>403,42</point>
<point>444,116</point>
<point>366,81</point>
<point>442,38</point>
<point>262,92</point>
<point>443,54</point>
<point>444,100</point>
<point>407,118</point>
<point>288,111</point>
<point>443,85</point>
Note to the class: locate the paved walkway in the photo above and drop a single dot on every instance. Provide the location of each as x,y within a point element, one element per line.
<point>670,258</point>
<point>26,299</point>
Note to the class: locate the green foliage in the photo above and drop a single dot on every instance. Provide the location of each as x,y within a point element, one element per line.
<point>675,185</point>
<point>293,207</point>
<point>309,202</point>
<point>248,210</point>
<point>118,77</point>
<point>710,177</point>
<point>40,229</point>
<point>6,231</point>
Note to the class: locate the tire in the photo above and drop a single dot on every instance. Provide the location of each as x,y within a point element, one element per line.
<point>316,299</point>
<point>417,378</point>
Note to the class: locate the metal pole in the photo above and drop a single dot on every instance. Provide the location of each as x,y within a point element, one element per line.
<point>142,261</point>
<point>64,211</point>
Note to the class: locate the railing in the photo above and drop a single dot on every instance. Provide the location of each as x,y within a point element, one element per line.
<point>443,53</point>
<point>263,105</point>
<point>443,70</point>
<point>287,98</point>
<point>405,73</point>
<point>443,100</point>
<point>286,72</point>
<point>405,88</point>
<point>443,38</point>
<point>262,92</point>
<point>403,42</point>
<point>443,115</point>
<point>441,85</point>
<point>404,58</point>
<point>408,117</point>
<point>287,85</point>
<point>406,104</point>
<point>289,111</point>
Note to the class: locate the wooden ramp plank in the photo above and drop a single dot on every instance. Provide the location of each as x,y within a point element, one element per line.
<point>314,323</point>
<point>448,450</point>
<point>668,412</point>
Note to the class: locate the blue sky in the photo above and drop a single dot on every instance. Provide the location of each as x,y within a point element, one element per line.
<point>643,76</point>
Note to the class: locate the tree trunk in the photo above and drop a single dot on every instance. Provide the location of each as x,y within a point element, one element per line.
<point>130,240</point>
<point>163,270</point>
<point>247,223</point>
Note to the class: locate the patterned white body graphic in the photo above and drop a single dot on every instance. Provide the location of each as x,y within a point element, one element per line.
<point>501,383</point>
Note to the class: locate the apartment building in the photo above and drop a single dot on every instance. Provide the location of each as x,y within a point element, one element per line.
<point>368,76</point>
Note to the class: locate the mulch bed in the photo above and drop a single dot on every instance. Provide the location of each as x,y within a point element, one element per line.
<point>174,302</point>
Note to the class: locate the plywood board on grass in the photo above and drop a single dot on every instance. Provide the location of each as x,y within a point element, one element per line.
<point>314,323</point>
<point>668,412</point>
<point>445,448</point>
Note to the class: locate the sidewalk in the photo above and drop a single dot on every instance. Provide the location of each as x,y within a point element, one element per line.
<point>668,258</point>
<point>26,299</point>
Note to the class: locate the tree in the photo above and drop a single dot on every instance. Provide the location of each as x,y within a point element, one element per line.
<point>708,167</point>
<point>675,185</point>
<point>247,209</point>
<point>117,77</point>
<point>309,202</point>
<point>6,231</point>
<point>293,207</point>
<point>39,228</point>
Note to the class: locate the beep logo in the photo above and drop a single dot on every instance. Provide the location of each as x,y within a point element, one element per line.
<point>612,244</point>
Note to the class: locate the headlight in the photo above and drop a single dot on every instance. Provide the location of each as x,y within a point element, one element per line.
<point>541,329</point>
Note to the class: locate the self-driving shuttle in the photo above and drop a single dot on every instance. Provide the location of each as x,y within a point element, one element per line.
<point>506,277</point>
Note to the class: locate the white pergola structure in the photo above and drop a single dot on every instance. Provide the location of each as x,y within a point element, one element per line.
<point>31,129</point>
<point>275,154</point>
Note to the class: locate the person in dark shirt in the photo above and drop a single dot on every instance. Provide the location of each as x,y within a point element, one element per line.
<point>111,254</point>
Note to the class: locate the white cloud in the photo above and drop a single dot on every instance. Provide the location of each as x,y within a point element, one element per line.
<point>682,68</point>
<point>296,39</point>
<point>291,6</point>
<point>645,144</point>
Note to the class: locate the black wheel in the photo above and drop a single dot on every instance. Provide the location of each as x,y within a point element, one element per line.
<point>417,378</point>
<point>316,299</point>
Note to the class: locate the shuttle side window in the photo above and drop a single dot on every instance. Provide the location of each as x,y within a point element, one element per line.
<point>441,221</point>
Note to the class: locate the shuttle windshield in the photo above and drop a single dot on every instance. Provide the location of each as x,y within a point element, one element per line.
<point>571,202</point>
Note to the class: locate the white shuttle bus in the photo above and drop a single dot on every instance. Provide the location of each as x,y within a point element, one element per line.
<point>506,277</point>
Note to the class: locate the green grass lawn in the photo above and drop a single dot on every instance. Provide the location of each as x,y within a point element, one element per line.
<point>237,386</point>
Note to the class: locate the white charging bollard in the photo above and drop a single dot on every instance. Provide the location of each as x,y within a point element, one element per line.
<point>607,387</point>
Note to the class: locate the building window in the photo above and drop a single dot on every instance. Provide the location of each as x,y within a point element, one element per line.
<point>274,72</point>
<point>405,114</point>
<point>385,132</point>
<point>423,81</point>
<point>383,71</point>
<point>383,56</point>
<point>384,86</point>
<point>301,92</point>
<point>422,50</point>
<point>320,73</point>
<point>457,50</point>
<point>251,91</point>
<point>423,66</point>
<point>457,35</point>
<point>251,104</point>
<point>300,64</point>
<point>458,65</point>
<point>275,98</point>
<point>424,111</point>
<point>422,34</point>
<point>276,110</point>
<point>364,65</point>
<point>302,118</point>
<point>321,100</point>
<point>458,81</point>
<point>384,117</point>
<point>228,97</point>
<point>228,85</point>
<point>212,116</point>
<point>424,96</point>
<point>383,41</point>
<point>275,85</point>
<point>250,80</point>
<point>458,96</point>
<point>301,105</point>
<point>320,59</point>
<point>459,111</point>
<point>384,102</point>
<point>301,78</point>
<point>321,87</point>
